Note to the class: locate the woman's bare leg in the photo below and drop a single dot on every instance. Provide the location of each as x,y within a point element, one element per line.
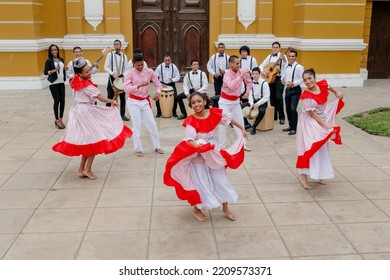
<point>197,213</point>
<point>229,214</point>
<point>304,182</point>
<point>82,167</point>
<point>88,168</point>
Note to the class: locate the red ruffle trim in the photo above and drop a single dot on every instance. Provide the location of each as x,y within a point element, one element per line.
<point>102,147</point>
<point>186,149</point>
<point>303,161</point>
<point>205,125</point>
<point>78,84</point>
<point>320,98</point>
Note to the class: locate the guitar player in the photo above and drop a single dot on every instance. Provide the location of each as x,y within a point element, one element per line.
<point>276,88</point>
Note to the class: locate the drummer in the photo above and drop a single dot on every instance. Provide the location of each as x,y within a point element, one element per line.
<point>258,97</point>
<point>116,65</point>
<point>168,74</point>
<point>137,82</point>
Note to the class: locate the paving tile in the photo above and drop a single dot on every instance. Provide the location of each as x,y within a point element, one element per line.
<point>368,237</point>
<point>247,194</point>
<point>166,196</point>
<point>250,243</point>
<point>363,174</point>
<point>13,220</point>
<point>374,189</point>
<point>283,193</point>
<point>45,246</point>
<point>121,245</point>
<point>129,179</point>
<point>5,242</point>
<point>182,244</point>
<point>70,198</point>
<point>254,161</point>
<point>58,220</point>
<point>3,178</point>
<point>381,160</point>
<point>384,205</point>
<point>247,215</point>
<point>349,160</point>
<point>353,212</point>
<point>16,154</point>
<point>21,199</point>
<point>238,177</point>
<point>10,166</point>
<point>72,181</point>
<point>136,163</point>
<point>272,176</point>
<point>130,218</point>
<point>176,217</point>
<point>379,256</point>
<point>297,213</point>
<point>44,166</point>
<point>315,240</point>
<point>21,181</point>
<point>119,197</point>
<point>331,257</point>
<point>336,191</point>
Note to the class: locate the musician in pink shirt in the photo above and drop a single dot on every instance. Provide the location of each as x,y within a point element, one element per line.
<point>136,85</point>
<point>229,101</point>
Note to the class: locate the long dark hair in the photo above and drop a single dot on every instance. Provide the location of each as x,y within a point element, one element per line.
<point>49,55</point>
<point>204,97</point>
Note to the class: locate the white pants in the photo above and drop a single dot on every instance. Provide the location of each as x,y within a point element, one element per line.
<point>234,108</point>
<point>140,111</point>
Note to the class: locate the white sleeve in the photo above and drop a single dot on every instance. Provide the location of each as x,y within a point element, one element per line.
<point>210,65</point>
<point>107,67</point>
<point>205,83</point>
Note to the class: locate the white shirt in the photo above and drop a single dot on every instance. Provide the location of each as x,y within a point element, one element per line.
<point>217,62</point>
<point>192,80</point>
<point>116,59</point>
<point>164,74</point>
<point>288,71</point>
<point>60,73</point>
<point>256,92</point>
<point>70,71</point>
<point>248,62</point>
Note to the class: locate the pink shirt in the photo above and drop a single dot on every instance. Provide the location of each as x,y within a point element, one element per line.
<point>133,78</point>
<point>232,82</point>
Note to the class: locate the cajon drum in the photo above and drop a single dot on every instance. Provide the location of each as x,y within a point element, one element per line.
<point>267,123</point>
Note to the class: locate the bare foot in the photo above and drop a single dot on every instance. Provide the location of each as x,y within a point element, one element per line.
<point>81,174</point>
<point>197,213</point>
<point>303,180</point>
<point>139,154</point>
<point>229,214</point>
<point>322,182</point>
<point>89,175</point>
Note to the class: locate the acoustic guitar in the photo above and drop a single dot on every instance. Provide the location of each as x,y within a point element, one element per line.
<point>273,68</point>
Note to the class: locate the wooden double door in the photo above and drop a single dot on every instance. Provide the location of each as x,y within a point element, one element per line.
<point>378,65</point>
<point>179,28</point>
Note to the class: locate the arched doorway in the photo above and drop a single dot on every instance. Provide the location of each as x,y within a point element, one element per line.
<point>177,27</point>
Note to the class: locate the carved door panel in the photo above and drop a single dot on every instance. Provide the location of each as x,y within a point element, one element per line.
<point>175,27</point>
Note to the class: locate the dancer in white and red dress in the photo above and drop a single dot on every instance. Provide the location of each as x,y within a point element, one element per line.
<point>91,129</point>
<point>315,127</point>
<point>196,167</point>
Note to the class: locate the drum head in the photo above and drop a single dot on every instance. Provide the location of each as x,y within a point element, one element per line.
<point>246,112</point>
<point>254,113</point>
<point>118,84</point>
<point>167,88</point>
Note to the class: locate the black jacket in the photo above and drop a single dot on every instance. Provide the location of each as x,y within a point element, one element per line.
<point>49,65</point>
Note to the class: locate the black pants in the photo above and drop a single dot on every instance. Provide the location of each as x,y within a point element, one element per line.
<point>292,99</point>
<point>276,98</point>
<point>172,84</point>
<point>58,93</point>
<point>218,85</point>
<point>179,99</point>
<point>110,95</point>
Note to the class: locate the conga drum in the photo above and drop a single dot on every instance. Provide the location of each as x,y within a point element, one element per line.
<point>166,101</point>
<point>267,123</point>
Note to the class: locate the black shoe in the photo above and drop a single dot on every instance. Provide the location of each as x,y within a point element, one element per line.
<point>247,126</point>
<point>281,121</point>
<point>124,118</point>
<point>287,129</point>
<point>182,117</point>
<point>292,132</point>
<point>174,115</point>
<point>158,115</point>
<point>253,130</point>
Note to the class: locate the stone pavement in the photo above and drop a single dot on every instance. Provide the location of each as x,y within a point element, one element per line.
<point>47,212</point>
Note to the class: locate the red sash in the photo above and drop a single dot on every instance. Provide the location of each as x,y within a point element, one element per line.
<point>136,97</point>
<point>229,97</point>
